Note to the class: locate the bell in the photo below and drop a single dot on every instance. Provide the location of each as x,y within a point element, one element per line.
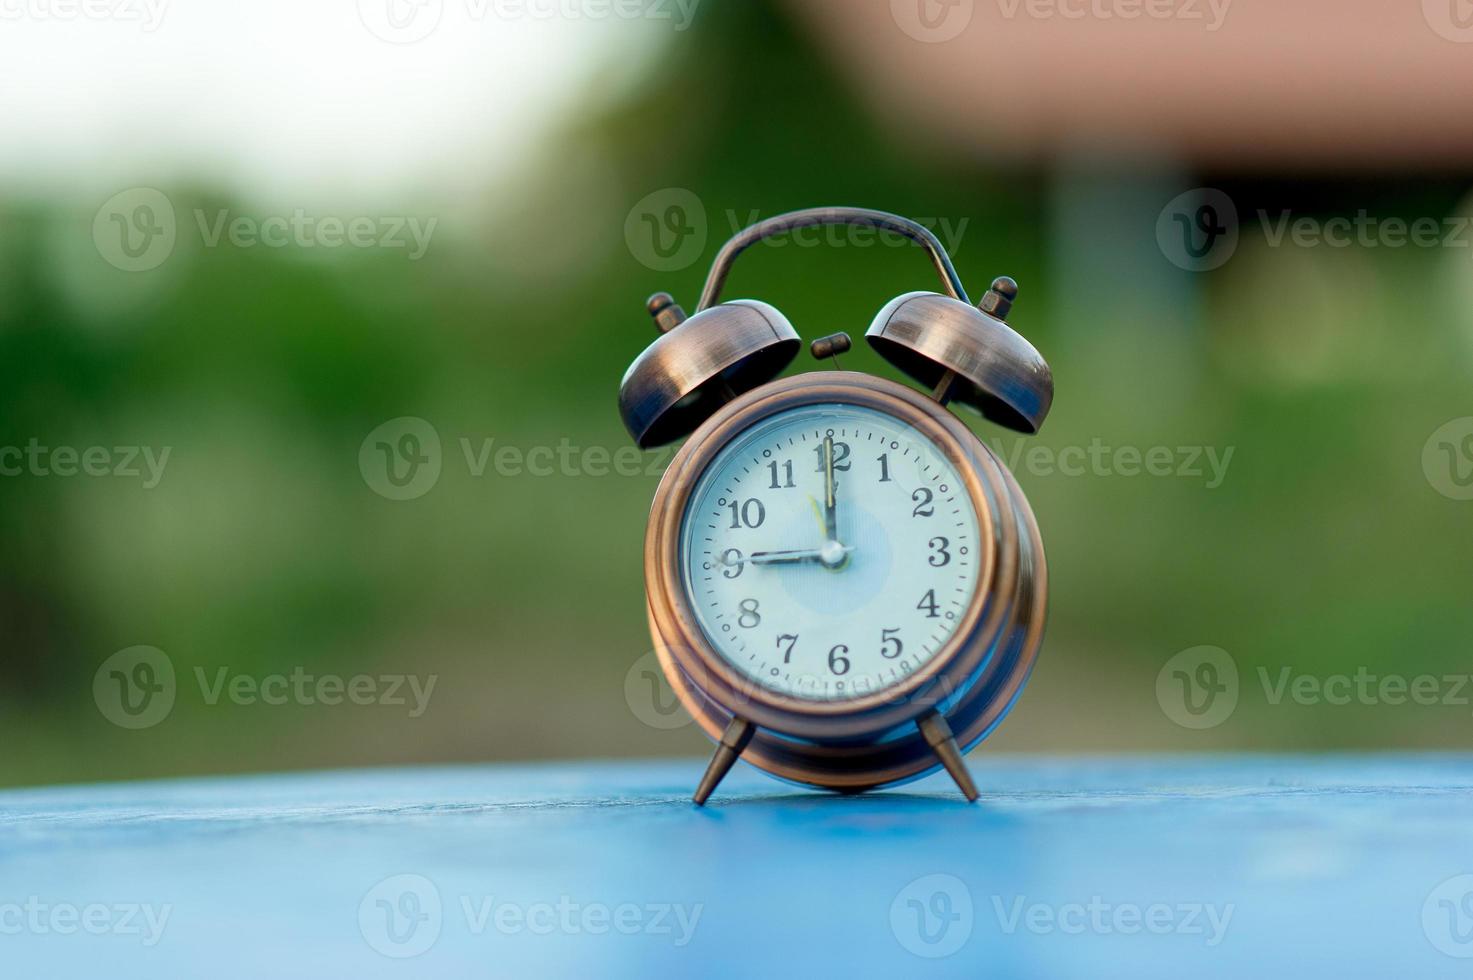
<point>969,351</point>
<point>700,364</point>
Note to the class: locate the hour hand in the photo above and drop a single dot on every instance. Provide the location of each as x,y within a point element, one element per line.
<point>830,554</point>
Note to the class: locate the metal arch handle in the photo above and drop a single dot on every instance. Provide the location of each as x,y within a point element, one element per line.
<point>811,217</point>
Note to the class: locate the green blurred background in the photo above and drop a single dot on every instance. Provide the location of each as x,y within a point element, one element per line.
<point>1326,548</point>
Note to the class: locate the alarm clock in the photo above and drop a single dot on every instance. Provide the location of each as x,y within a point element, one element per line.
<point>846,588</point>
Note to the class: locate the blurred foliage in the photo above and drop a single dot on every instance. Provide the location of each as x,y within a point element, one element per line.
<point>262,550</point>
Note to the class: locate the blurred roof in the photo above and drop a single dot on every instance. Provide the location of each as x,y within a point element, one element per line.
<point>1340,84</point>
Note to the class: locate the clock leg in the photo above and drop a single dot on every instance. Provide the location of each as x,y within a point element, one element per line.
<point>938,734</point>
<point>738,734</point>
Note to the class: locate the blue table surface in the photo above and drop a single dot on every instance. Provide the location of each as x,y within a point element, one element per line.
<point>1341,866</point>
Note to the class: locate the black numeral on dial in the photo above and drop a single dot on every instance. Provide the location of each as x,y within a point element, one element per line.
<point>841,456</point>
<point>750,617</point>
<point>732,559</point>
<point>749,513</point>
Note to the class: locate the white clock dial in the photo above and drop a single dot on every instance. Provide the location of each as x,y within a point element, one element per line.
<point>830,599</point>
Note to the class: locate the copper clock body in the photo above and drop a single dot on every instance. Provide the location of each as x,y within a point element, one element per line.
<point>872,739</point>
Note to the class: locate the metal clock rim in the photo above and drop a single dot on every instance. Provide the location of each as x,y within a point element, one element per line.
<point>672,617</point>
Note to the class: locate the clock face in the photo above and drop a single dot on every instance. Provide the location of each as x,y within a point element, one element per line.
<point>829,551</point>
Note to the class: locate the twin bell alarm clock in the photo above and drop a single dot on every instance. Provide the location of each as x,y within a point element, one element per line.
<point>846,588</point>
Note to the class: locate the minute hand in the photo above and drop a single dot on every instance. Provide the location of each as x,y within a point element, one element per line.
<point>830,507</point>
